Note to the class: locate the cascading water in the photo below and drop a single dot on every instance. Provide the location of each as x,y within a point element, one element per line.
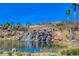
<point>26,38</point>
<point>29,44</point>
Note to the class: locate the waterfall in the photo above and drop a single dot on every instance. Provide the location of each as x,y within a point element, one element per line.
<point>36,40</point>
<point>27,40</point>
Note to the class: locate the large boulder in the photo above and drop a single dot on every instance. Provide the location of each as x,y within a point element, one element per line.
<point>14,52</point>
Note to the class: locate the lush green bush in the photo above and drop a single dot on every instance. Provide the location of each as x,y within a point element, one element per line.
<point>74,51</point>
<point>29,54</point>
<point>19,54</point>
<point>9,53</point>
<point>1,51</point>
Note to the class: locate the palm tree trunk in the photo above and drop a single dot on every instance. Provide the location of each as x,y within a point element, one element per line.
<point>68,27</point>
<point>74,18</point>
<point>74,15</point>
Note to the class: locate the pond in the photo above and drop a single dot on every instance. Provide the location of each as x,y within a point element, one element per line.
<point>21,46</point>
<point>28,43</point>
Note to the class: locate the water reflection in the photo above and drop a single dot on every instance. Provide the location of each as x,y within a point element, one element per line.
<point>31,42</point>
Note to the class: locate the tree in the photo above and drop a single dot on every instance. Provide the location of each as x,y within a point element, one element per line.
<point>12,25</point>
<point>28,25</point>
<point>75,4</point>
<point>19,26</point>
<point>8,24</point>
<point>1,24</point>
<point>68,12</point>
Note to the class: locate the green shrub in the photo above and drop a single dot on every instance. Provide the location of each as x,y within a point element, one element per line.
<point>68,52</point>
<point>1,51</point>
<point>9,53</point>
<point>78,51</point>
<point>19,54</point>
<point>29,54</point>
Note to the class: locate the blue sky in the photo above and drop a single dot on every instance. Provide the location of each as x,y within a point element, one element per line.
<point>35,12</point>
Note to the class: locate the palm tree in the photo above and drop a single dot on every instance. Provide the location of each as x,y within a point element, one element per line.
<point>7,24</point>
<point>19,26</point>
<point>12,24</point>
<point>28,25</point>
<point>75,5</point>
<point>68,12</point>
